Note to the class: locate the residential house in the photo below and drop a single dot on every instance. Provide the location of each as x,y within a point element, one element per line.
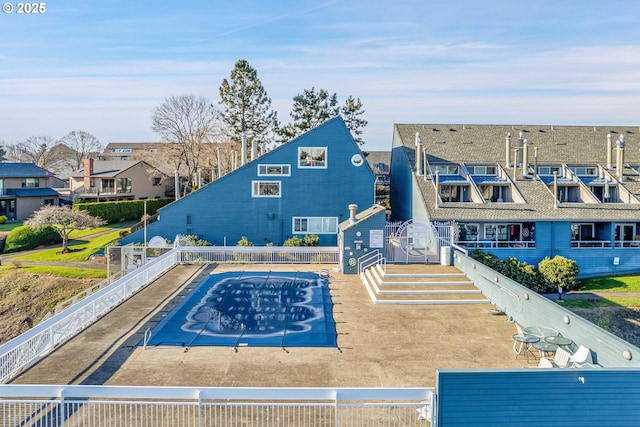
<point>527,192</point>
<point>25,188</point>
<point>118,180</point>
<point>302,187</point>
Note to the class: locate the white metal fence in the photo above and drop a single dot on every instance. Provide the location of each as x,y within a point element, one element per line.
<point>40,340</point>
<point>70,406</point>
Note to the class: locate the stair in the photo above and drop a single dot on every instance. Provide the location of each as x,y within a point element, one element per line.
<point>420,284</point>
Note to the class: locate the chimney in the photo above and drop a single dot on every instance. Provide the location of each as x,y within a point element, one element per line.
<point>609,149</point>
<point>620,157</point>
<point>243,160</point>
<point>352,213</point>
<point>507,147</point>
<point>88,171</point>
<point>525,158</point>
<point>418,154</point>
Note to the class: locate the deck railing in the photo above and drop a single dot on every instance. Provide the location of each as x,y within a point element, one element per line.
<point>40,340</point>
<point>63,405</point>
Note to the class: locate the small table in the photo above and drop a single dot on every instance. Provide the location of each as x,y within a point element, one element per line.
<point>527,340</point>
<point>545,347</point>
<point>542,332</point>
<point>561,341</point>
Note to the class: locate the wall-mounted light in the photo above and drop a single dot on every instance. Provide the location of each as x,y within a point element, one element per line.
<point>473,266</point>
<point>525,296</point>
<point>626,354</point>
<point>496,279</point>
<point>566,320</point>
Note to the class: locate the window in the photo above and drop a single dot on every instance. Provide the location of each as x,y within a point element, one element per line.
<point>107,185</point>
<point>584,170</point>
<point>189,219</point>
<point>157,181</point>
<point>312,157</point>
<point>121,150</point>
<point>482,170</point>
<point>315,225</point>
<point>265,189</point>
<point>582,231</point>
<point>268,170</point>
<point>444,169</point>
<point>548,170</point>
<point>48,202</point>
<point>30,182</point>
<point>124,185</point>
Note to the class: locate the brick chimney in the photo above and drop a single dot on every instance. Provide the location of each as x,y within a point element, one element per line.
<point>88,171</point>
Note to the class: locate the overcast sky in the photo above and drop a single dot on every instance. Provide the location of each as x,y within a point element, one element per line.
<point>102,66</point>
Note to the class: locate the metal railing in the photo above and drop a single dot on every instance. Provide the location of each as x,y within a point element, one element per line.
<point>497,244</point>
<point>70,406</point>
<point>372,258</point>
<point>41,339</point>
<point>260,254</point>
<point>591,243</point>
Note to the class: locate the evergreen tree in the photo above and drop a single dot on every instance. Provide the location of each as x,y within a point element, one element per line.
<point>351,112</point>
<point>311,109</point>
<point>246,108</point>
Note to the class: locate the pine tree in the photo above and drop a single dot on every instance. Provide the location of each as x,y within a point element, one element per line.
<point>246,108</point>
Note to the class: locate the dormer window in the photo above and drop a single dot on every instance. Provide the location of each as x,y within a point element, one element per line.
<point>444,169</point>
<point>548,170</point>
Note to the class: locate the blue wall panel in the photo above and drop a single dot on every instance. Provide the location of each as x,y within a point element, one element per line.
<point>539,397</point>
<point>224,211</point>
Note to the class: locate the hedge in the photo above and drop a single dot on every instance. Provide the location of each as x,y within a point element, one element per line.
<point>124,210</point>
<point>24,237</point>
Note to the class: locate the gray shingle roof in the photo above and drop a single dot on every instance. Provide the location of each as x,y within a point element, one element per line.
<point>485,144</point>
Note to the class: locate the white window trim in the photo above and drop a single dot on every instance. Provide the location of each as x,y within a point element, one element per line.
<point>293,224</point>
<point>326,158</point>
<point>253,188</point>
<point>274,165</point>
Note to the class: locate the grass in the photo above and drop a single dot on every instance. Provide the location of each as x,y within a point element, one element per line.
<point>8,226</point>
<point>601,302</point>
<point>61,271</point>
<point>612,284</point>
<point>79,252</point>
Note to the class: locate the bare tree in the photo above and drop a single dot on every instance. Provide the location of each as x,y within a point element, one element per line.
<point>189,122</point>
<point>82,143</point>
<point>35,149</point>
<point>64,220</point>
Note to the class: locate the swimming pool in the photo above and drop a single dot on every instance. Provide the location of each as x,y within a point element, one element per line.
<point>264,309</point>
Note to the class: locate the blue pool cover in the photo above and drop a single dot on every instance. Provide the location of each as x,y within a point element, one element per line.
<point>262,309</point>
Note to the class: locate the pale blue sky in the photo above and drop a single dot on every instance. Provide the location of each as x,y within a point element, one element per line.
<point>102,66</point>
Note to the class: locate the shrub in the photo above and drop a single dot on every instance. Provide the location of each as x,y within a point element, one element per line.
<point>560,272</point>
<point>293,241</point>
<point>244,242</point>
<point>3,219</point>
<point>124,210</point>
<point>25,237</point>
<point>308,240</point>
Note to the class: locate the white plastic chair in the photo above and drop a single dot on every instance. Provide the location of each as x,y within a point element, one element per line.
<point>560,360</point>
<point>581,357</point>
<point>519,346</point>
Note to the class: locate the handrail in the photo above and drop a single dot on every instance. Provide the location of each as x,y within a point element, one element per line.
<point>371,258</point>
<point>147,337</point>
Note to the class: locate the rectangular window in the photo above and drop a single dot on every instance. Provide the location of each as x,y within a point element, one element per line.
<point>30,182</point>
<point>315,225</point>
<point>188,219</point>
<point>48,202</point>
<point>270,170</point>
<point>584,170</point>
<point>107,185</point>
<point>548,170</point>
<point>265,189</point>
<point>482,170</point>
<point>444,169</point>
<point>157,181</point>
<point>312,157</point>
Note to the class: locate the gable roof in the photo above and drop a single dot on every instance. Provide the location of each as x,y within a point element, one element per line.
<point>486,144</point>
<point>22,170</point>
<point>110,168</point>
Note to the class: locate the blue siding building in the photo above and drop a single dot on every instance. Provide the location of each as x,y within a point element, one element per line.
<point>302,187</point>
<point>525,191</point>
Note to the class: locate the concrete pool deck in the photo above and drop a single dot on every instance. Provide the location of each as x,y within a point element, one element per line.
<point>378,345</point>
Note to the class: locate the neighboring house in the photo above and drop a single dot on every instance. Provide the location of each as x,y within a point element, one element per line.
<point>379,162</point>
<point>118,180</point>
<point>25,188</point>
<point>528,192</point>
<point>130,150</point>
<point>302,187</point>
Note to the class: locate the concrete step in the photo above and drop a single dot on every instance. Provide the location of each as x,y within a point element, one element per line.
<point>420,284</point>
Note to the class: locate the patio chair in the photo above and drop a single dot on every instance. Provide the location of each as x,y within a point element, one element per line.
<point>518,346</point>
<point>581,357</point>
<point>560,360</point>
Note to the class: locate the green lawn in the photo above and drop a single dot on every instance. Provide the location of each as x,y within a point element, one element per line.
<point>79,252</point>
<point>8,226</point>
<point>612,284</point>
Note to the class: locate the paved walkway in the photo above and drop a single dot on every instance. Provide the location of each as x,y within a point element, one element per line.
<point>378,345</point>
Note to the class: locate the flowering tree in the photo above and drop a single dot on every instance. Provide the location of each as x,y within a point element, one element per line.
<point>64,221</point>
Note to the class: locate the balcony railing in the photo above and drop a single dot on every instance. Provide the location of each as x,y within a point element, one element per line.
<point>591,243</point>
<point>493,244</point>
